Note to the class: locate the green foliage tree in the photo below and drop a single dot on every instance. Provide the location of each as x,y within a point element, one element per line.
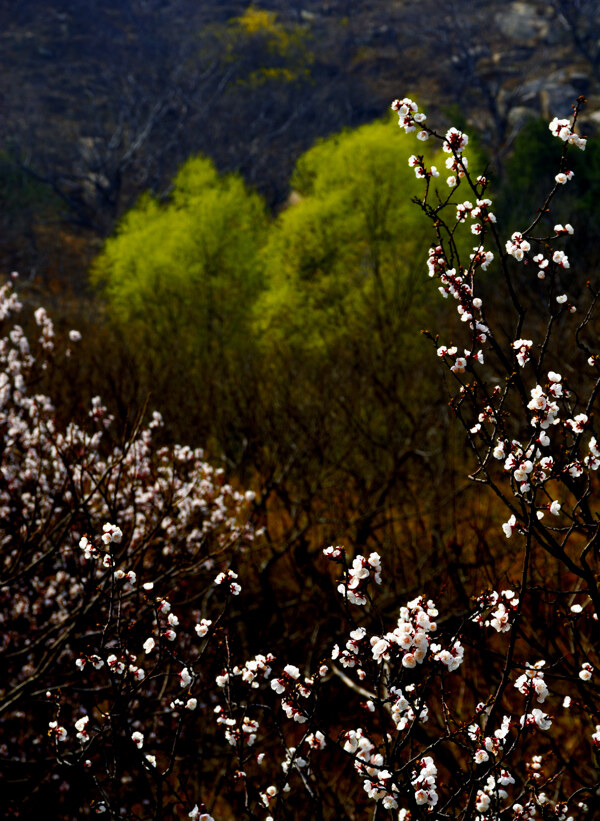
<point>344,253</point>
<point>338,324</point>
<point>180,276</point>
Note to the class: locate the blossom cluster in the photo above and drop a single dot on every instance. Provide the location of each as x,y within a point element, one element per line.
<point>563,129</point>
<point>369,763</point>
<point>497,610</point>
<point>358,575</point>
<point>409,117</point>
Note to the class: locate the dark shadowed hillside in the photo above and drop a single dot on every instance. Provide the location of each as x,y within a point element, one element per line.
<point>103,100</point>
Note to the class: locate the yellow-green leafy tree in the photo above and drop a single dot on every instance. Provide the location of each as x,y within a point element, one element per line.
<point>180,277</point>
<point>350,250</point>
<point>346,296</point>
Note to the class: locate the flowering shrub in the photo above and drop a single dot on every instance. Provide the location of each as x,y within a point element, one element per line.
<point>78,595</point>
<point>126,678</point>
